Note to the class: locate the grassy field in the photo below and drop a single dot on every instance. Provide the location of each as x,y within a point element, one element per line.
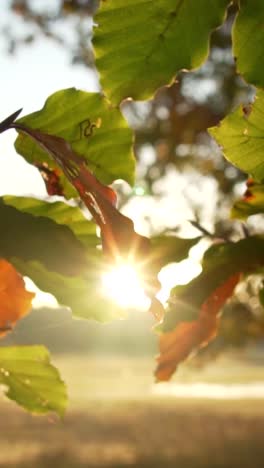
<point>115,420</point>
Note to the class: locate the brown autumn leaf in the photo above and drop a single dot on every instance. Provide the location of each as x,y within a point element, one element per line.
<point>120,241</point>
<point>15,301</point>
<point>176,345</point>
<point>51,179</point>
<point>117,230</point>
<point>248,195</point>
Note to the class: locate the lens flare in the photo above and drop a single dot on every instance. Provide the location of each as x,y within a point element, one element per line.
<point>123,285</point>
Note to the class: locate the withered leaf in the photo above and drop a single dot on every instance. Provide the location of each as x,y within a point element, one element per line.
<point>51,179</point>
<point>119,239</point>
<point>6,123</point>
<point>176,345</point>
<point>15,301</point>
<point>251,203</point>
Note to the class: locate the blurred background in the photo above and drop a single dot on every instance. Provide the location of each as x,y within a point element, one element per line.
<point>210,415</point>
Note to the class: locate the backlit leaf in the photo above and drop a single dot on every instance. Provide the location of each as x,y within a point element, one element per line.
<point>15,301</point>
<point>176,346</point>
<point>252,202</point>
<point>169,249</point>
<point>220,262</point>
<point>241,135</point>
<point>39,238</point>
<point>120,241</point>
<point>141,45</point>
<point>31,380</point>
<point>96,131</point>
<point>248,41</point>
<point>191,319</point>
<point>61,213</point>
<point>42,253</point>
<point>83,294</point>
<point>5,124</point>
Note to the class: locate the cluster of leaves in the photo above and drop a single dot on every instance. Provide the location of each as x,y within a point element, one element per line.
<point>81,143</point>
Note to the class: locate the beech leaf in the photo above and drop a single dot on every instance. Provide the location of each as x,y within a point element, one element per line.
<point>248,41</point>
<point>120,241</point>
<point>15,300</point>
<point>96,132</point>
<point>72,275</point>
<point>252,202</point>
<point>176,346</point>
<point>30,379</point>
<point>220,262</point>
<point>241,135</point>
<point>170,249</point>
<point>42,239</point>
<point>191,318</point>
<point>52,179</point>
<point>142,45</point>
<point>60,212</point>
<point>83,294</point>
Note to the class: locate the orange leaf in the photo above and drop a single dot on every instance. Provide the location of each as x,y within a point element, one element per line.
<point>119,239</point>
<point>51,179</point>
<point>15,301</point>
<point>176,346</point>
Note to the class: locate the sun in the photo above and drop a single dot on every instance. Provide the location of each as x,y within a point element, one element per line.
<point>123,285</point>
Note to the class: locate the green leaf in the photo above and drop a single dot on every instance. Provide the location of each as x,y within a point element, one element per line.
<point>31,380</point>
<point>248,41</point>
<point>220,262</point>
<point>83,294</point>
<point>141,45</point>
<point>252,203</point>
<point>169,249</point>
<point>54,258</point>
<point>241,134</point>
<point>61,213</point>
<point>95,131</point>
<point>37,238</point>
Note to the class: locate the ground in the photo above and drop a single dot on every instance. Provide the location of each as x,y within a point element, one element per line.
<point>115,420</point>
